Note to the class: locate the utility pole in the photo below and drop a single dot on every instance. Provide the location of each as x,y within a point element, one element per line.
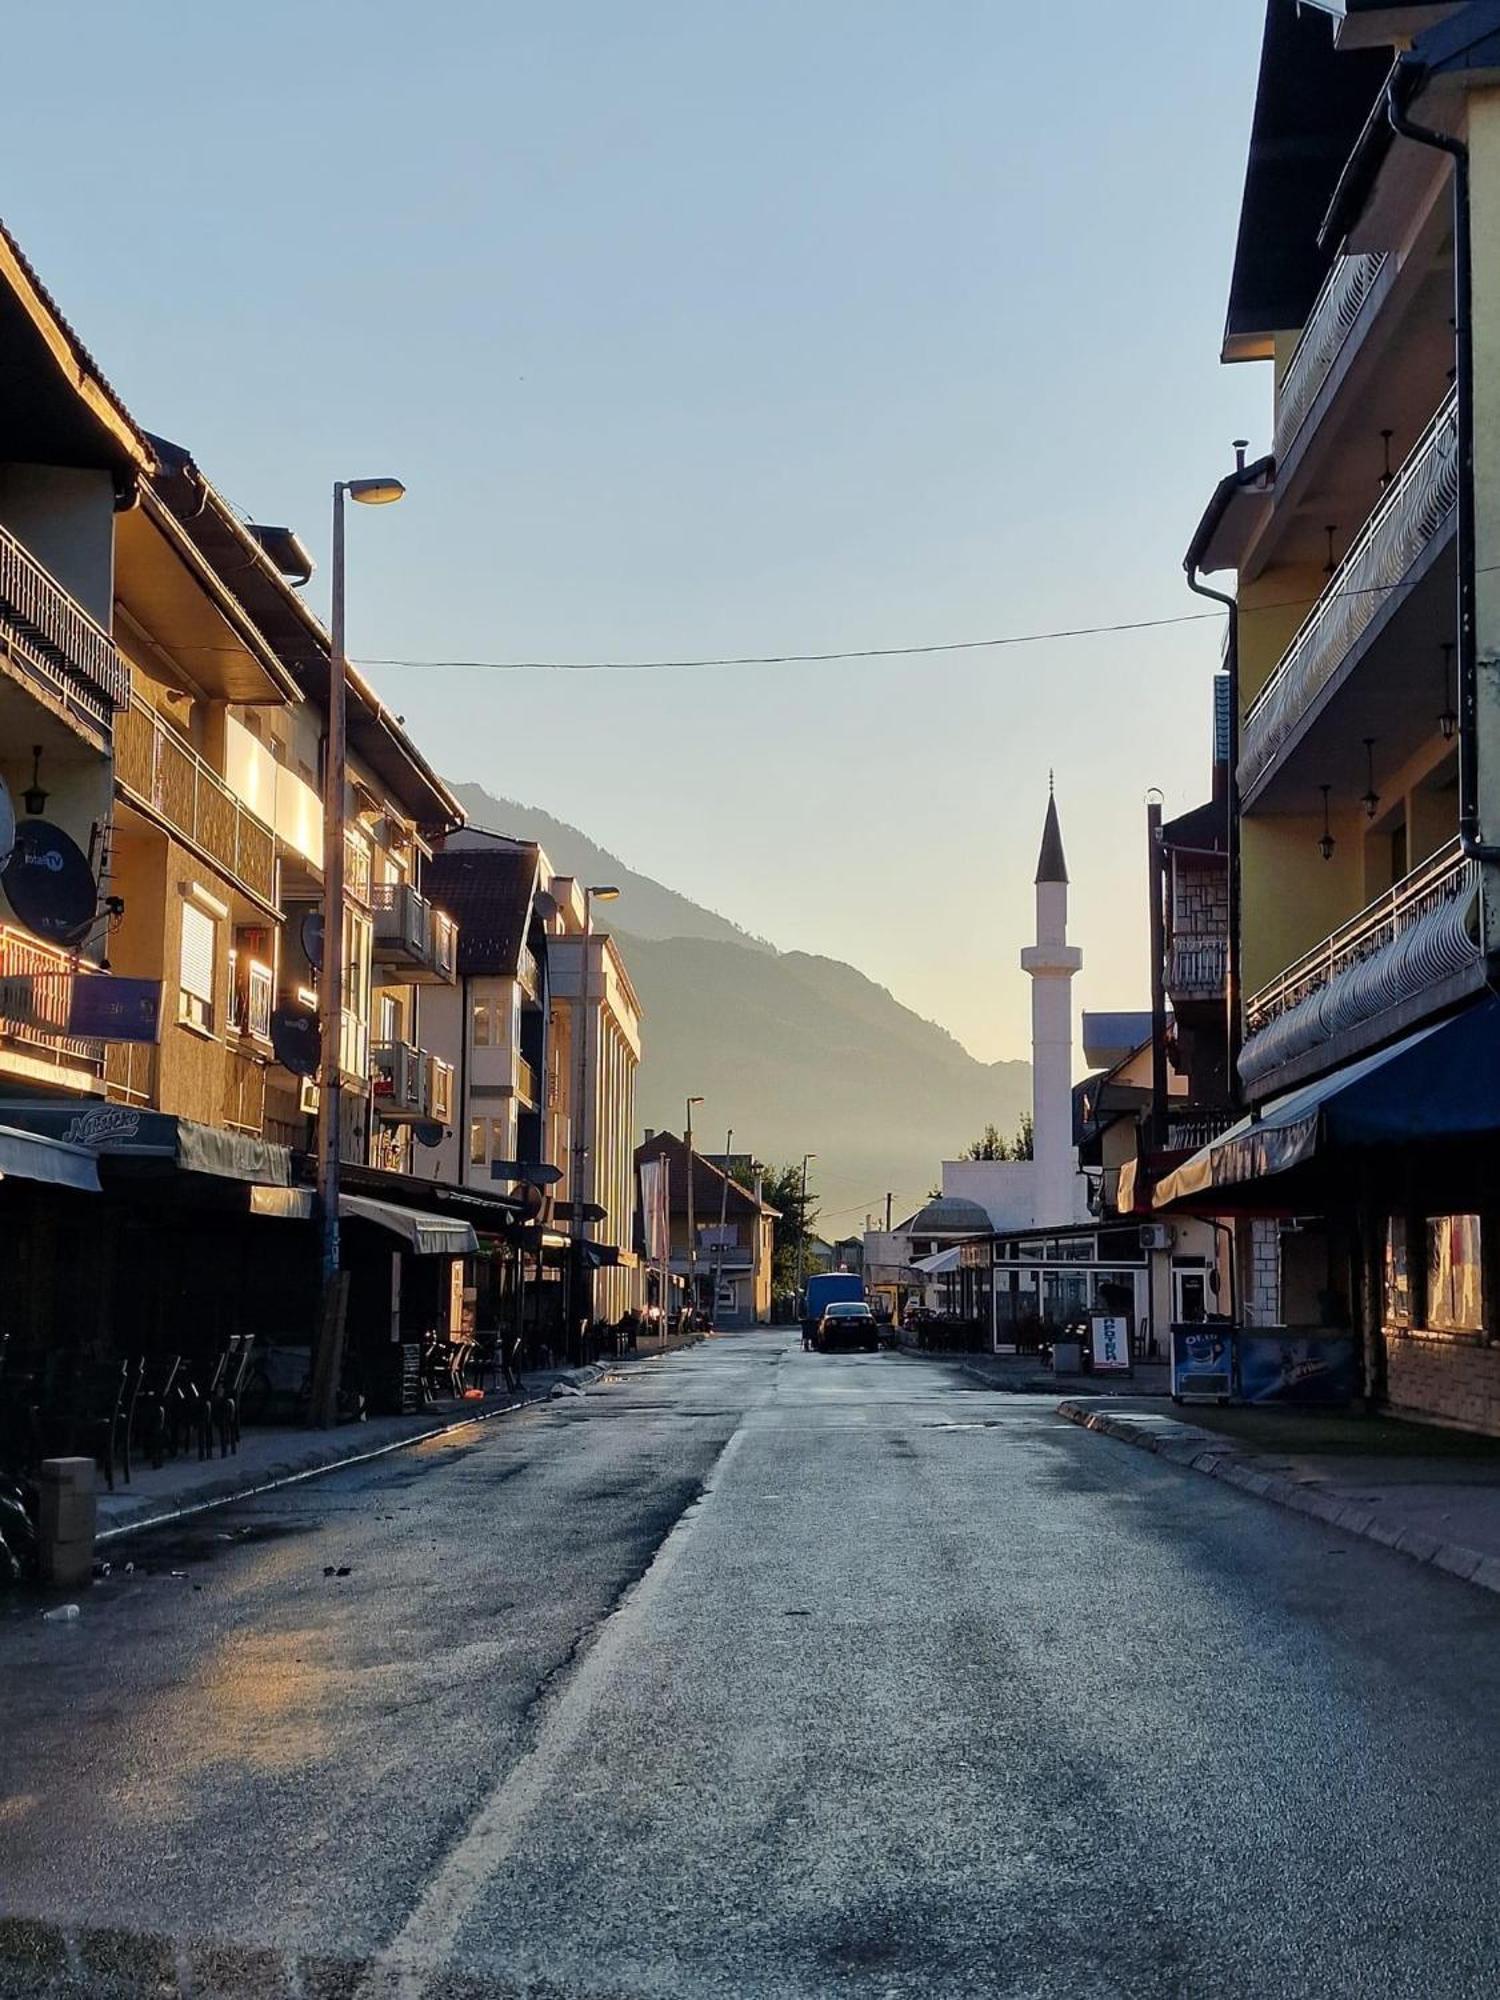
<point>802,1241</point>
<point>664,1279</point>
<point>888,1199</point>
<point>329,1359</point>
<point>692,1232</point>
<point>723,1223</point>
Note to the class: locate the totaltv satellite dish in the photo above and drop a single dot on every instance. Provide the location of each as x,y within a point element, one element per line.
<point>50,883</point>
<point>427,1133</point>
<point>295,1038</point>
<point>311,933</point>
<point>7,825</point>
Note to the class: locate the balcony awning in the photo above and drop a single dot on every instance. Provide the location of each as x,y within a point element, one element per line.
<point>29,1157</point>
<point>1441,1083</point>
<point>424,1235</point>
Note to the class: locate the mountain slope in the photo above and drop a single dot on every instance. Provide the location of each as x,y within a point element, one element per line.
<point>646,908</point>
<point>799,1053</point>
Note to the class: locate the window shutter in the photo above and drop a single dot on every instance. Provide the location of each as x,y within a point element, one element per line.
<point>198,940</point>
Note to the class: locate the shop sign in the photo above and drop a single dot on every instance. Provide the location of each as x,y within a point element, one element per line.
<point>106,1009</point>
<point>1109,1343</point>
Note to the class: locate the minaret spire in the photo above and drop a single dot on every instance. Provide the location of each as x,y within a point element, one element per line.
<point>1052,962</point>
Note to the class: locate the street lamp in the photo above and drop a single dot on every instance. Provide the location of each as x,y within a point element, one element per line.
<point>603,892</point>
<point>692,1232</point>
<point>802,1242</point>
<point>370,493</point>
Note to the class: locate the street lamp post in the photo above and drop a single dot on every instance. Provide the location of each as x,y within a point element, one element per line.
<point>723,1223</point>
<point>371,493</point>
<point>602,892</point>
<point>692,1233</point>
<point>802,1242</point>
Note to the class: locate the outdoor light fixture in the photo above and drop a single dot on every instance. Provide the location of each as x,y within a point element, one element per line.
<point>1325,844</point>
<point>34,798</point>
<point>1448,719</point>
<point>1387,475</point>
<point>1371,799</point>
<point>1330,531</point>
<point>374,492</point>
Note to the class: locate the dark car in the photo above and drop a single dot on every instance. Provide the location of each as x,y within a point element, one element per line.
<point>847,1323</point>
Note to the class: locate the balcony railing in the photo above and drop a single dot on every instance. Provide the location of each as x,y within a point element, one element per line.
<point>169,779</point>
<point>36,996</point>
<point>1417,935</point>
<point>1329,325</point>
<point>1197,966</point>
<point>439,1091</point>
<point>1196,1129</point>
<point>529,973</point>
<point>130,1072</point>
<point>1410,516</point>
<point>410,934</point>
<point>56,641</point>
<point>526,1088</point>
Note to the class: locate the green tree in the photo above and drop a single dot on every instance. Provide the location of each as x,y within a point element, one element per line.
<point>783,1190</point>
<point>988,1146</point>
<point>1022,1146</point>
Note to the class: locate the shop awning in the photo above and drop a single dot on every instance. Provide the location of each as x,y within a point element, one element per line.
<point>940,1263</point>
<point>123,1132</point>
<point>1443,1082</point>
<point>290,1204</point>
<point>426,1235</point>
<point>30,1157</point>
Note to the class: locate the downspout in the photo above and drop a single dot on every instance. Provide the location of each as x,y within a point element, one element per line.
<point>1470,827</point>
<point>1196,584</point>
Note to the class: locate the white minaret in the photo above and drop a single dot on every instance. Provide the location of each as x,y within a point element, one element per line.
<point>1052,961</point>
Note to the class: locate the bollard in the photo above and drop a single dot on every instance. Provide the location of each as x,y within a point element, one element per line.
<point>65,1528</point>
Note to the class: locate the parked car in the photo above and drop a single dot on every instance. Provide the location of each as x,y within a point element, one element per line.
<point>847,1323</point>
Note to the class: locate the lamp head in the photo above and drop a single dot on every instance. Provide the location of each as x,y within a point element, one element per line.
<point>374,492</point>
<point>605,893</point>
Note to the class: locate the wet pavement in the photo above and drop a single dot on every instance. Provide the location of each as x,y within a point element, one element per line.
<point>753,1673</point>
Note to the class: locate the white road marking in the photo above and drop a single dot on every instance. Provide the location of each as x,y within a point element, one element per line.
<point>419,1950</point>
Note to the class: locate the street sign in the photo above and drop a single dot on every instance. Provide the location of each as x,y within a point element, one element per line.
<point>106,1009</point>
<point>1109,1340</point>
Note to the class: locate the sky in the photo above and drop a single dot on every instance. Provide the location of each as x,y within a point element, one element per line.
<point>696,329</point>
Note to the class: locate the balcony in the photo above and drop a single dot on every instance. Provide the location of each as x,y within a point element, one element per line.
<point>529,974</point>
<point>56,643</point>
<point>526,1083</point>
<point>411,1087</point>
<point>412,937</point>
<point>130,1073</point>
<point>1338,306</point>
<point>439,1091</point>
<point>1191,1131</point>
<point>1412,519</point>
<point>161,773</point>
<point>36,996</point>
<point>1412,945</point>
<point>1197,966</point>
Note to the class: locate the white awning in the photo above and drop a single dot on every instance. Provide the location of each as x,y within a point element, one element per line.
<point>426,1235</point>
<point>30,1157</point>
<point>940,1263</point>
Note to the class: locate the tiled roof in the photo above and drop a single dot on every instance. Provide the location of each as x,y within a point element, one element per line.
<point>488,893</point>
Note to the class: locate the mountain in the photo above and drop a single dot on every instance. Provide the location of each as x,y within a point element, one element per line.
<point>799,1053</point>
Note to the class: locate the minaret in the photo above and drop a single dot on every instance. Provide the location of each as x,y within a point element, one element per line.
<point>1052,961</point>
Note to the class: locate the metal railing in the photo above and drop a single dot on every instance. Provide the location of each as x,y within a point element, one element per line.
<point>529,973</point>
<point>526,1090</point>
<point>36,997</point>
<point>1409,939</point>
<point>1198,965</point>
<point>130,1072</point>
<point>1411,514</point>
<point>1201,1128</point>
<point>444,935</point>
<point>439,1091</point>
<point>1329,325</point>
<point>410,931</point>
<point>165,774</point>
<point>55,640</point>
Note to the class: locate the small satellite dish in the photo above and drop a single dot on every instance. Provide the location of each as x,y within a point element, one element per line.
<point>427,1133</point>
<point>50,883</point>
<point>7,825</point>
<point>295,1038</point>
<point>545,904</point>
<point>311,933</point>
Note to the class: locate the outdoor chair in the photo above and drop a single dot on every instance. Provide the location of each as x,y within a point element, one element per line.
<point>87,1415</point>
<point>157,1401</point>
<point>224,1415</point>
<point>202,1395</point>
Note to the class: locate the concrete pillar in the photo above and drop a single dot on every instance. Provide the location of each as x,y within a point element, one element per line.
<point>67,1518</point>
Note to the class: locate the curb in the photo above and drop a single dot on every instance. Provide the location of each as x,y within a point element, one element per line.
<point>1203,1451</point>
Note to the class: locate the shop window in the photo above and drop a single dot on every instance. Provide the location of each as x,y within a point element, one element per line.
<point>1455,1291</point>
<point>1396,1307</point>
<point>195,980</point>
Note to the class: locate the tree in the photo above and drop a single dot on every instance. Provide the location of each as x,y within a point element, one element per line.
<point>1023,1145</point>
<point>782,1189</point>
<point>988,1146</point>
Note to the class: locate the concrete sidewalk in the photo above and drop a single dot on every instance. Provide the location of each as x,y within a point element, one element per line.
<point>1031,1375</point>
<point>1430,1494</point>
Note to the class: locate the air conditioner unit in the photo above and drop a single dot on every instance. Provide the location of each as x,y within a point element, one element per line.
<point>1157,1235</point>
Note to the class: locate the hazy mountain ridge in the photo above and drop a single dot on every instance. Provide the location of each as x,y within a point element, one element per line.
<point>799,1052</point>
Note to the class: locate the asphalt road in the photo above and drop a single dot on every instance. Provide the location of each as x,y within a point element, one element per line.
<point>754,1673</point>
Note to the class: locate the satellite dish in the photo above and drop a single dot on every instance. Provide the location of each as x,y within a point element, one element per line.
<point>427,1133</point>
<point>50,883</point>
<point>7,825</point>
<point>311,933</point>
<point>545,904</point>
<point>295,1038</point>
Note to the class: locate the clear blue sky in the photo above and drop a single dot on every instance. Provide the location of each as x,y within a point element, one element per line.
<point>697,327</point>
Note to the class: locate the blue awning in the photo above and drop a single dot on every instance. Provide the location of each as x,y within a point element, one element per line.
<point>30,1157</point>
<point>1443,1082</point>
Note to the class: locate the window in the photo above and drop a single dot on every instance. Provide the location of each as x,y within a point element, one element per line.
<point>200,938</point>
<point>1397,1287</point>
<point>1455,1293</point>
<point>388,1021</point>
<point>497,1138</point>
<point>476,1142</point>
<point>481,1024</point>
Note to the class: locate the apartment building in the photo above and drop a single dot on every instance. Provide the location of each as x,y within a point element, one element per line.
<point>1364,542</point>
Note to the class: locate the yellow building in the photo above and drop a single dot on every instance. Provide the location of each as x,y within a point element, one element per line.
<point>1365,546</point>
